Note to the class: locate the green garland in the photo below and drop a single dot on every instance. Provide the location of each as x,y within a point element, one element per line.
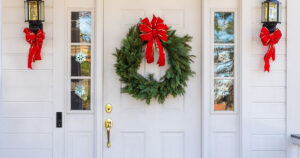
<point>130,56</point>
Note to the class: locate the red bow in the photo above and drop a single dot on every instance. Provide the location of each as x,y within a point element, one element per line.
<point>154,32</point>
<point>36,43</point>
<point>270,39</point>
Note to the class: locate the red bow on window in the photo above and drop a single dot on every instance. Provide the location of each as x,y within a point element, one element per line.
<point>269,39</point>
<point>36,43</point>
<point>154,32</point>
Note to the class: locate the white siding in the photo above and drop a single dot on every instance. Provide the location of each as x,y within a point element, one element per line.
<point>266,92</point>
<point>26,103</point>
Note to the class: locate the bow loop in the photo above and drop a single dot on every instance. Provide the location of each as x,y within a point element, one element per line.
<point>36,43</point>
<point>269,39</point>
<point>154,33</point>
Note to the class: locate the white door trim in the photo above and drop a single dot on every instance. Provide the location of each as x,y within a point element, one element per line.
<point>245,48</point>
<point>1,53</point>
<point>58,91</point>
<point>99,47</point>
<point>59,83</point>
<point>293,74</point>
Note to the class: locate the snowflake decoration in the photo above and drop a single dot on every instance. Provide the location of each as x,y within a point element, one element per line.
<point>80,57</point>
<point>79,90</point>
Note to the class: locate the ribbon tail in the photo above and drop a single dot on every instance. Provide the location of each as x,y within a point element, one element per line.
<point>38,53</point>
<point>150,52</point>
<point>161,59</point>
<point>267,64</point>
<point>31,56</point>
<point>273,52</point>
<point>267,58</point>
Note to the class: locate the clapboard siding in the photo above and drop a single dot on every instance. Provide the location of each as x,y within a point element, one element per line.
<point>24,110</point>
<point>26,105</point>
<point>15,15</point>
<point>16,62</point>
<point>27,153</point>
<point>267,127</point>
<point>19,45</point>
<point>12,31</point>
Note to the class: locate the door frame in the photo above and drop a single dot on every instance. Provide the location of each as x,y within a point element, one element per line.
<point>99,70</point>
<point>59,83</point>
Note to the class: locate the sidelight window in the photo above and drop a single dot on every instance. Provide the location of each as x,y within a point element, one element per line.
<point>80,60</point>
<point>224,63</point>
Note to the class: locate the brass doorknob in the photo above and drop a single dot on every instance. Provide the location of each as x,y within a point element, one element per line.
<point>108,126</point>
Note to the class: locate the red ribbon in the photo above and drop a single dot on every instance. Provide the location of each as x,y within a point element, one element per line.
<point>154,32</point>
<point>36,43</point>
<point>269,39</point>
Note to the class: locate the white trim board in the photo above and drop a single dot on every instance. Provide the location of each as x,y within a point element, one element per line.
<point>293,74</point>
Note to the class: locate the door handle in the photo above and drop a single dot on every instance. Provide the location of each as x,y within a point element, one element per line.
<point>108,126</point>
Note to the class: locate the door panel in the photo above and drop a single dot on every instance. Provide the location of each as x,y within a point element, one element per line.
<point>172,129</point>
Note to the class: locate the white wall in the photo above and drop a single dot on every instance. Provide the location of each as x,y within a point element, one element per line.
<point>264,107</point>
<point>26,114</point>
<point>26,105</point>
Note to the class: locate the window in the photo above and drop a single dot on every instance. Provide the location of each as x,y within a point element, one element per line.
<point>80,67</point>
<point>224,49</point>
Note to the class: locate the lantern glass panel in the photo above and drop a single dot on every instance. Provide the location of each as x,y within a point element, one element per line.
<point>280,12</point>
<point>264,12</point>
<point>26,10</point>
<point>33,10</point>
<point>273,12</point>
<point>42,11</point>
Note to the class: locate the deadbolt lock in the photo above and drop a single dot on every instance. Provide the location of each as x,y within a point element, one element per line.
<point>108,108</point>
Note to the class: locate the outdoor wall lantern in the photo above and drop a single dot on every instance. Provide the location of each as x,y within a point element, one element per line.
<point>34,14</point>
<point>271,14</point>
<point>270,35</point>
<point>34,35</point>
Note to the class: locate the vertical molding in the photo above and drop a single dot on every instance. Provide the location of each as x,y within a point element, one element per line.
<point>58,92</point>
<point>204,79</point>
<point>1,52</point>
<point>99,70</point>
<point>245,48</point>
<point>293,74</point>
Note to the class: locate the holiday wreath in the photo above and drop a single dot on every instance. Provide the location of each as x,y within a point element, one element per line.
<point>130,56</point>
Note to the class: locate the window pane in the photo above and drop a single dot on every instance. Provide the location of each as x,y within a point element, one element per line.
<point>33,10</point>
<point>224,95</point>
<point>224,61</point>
<point>80,94</point>
<point>224,27</point>
<point>81,27</point>
<point>273,12</point>
<point>81,60</point>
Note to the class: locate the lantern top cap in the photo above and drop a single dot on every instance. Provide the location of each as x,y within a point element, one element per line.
<point>271,1</point>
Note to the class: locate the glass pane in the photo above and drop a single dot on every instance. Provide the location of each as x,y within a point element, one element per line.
<point>264,12</point>
<point>224,61</point>
<point>81,60</point>
<point>224,95</point>
<point>273,12</point>
<point>81,27</point>
<point>280,12</point>
<point>33,10</point>
<point>26,10</point>
<point>42,11</point>
<point>224,27</point>
<point>80,94</point>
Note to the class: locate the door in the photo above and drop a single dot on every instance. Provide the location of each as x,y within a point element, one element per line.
<point>170,130</point>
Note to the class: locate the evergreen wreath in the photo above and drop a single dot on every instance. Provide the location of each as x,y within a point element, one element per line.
<point>130,56</point>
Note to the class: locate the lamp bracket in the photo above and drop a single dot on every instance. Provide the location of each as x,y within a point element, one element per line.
<point>34,26</point>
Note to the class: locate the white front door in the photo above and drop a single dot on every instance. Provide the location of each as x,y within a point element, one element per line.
<point>171,130</point>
